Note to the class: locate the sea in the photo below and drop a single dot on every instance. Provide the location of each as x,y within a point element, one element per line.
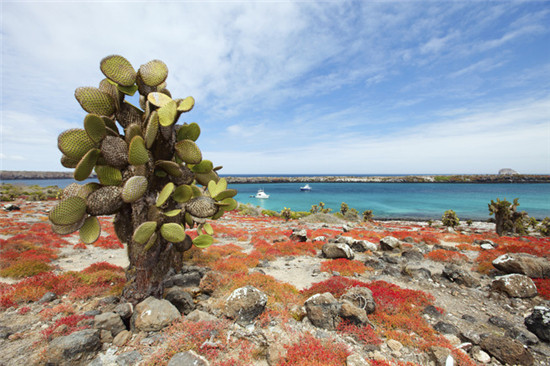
<point>417,201</point>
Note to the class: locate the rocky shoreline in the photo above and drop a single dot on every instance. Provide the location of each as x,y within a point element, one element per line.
<point>466,178</point>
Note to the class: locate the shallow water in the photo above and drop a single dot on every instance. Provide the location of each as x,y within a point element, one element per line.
<point>387,200</point>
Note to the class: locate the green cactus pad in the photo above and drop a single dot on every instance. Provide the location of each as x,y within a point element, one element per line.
<point>104,201</point>
<point>167,114</point>
<point>158,99</point>
<point>186,104</point>
<point>69,162</point>
<point>137,153</point>
<point>86,165</point>
<point>227,204</point>
<point>172,213</point>
<point>170,167</point>
<point>153,73</point>
<point>228,193</point>
<point>128,90</point>
<point>108,175</point>
<point>87,189</point>
<point>134,189</point>
<point>196,191</point>
<point>115,151</point>
<point>208,229</point>
<point>203,241</point>
<point>109,123</point>
<point>110,88</point>
<point>164,194</point>
<point>90,231</point>
<point>93,100</point>
<point>128,114</point>
<point>189,132</point>
<point>118,69</point>
<point>203,167</point>
<point>151,242</point>
<point>68,229</point>
<point>204,179</point>
<point>183,193</point>
<point>160,173</point>
<point>132,131</point>
<point>144,232</point>
<point>188,151</point>
<point>75,143</point>
<point>215,188</point>
<point>172,232</point>
<point>95,127</point>
<point>68,211</point>
<point>152,130</point>
<point>189,220</point>
<point>202,207</point>
<point>143,88</point>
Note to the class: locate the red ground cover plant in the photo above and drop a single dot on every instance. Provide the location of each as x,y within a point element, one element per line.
<point>108,242</point>
<point>364,334</point>
<point>447,256</point>
<point>65,326</point>
<point>543,287</point>
<point>311,351</point>
<point>49,313</point>
<point>230,231</point>
<point>285,248</point>
<point>343,266</point>
<point>207,338</point>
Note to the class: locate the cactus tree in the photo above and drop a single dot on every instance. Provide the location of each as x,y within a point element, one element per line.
<point>152,176</point>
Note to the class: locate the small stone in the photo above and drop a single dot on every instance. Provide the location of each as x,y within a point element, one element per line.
<point>353,314</point>
<point>153,314</point>
<point>394,345</point>
<point>538,322</point>
<point>189,358</point>
<point>355,360</point>
<point>445,328</point>
<point>47,297</point>
<point>80,345</point>
<point>121,338</point>
<point>299,235</point>
<point>124,310</point>
<point>390,243</point>
<point>323,311</point>
<point>200,316</point>
<point>110,322</point>
<point>245,304</point>
<point>129,358</point>
<point>361,297</point>
<point>481,356</point>
<point>515,285</point>
<point>337,250</point>
<point>507,350</point>
<point>180,298</point>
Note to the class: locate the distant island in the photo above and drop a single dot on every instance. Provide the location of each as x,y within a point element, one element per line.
<point>459,178</point>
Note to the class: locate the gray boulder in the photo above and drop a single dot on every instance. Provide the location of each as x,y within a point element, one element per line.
<point>337,250</point>
<point>515,285</point>
<point>363,246</point>
<point>390,243</point>
<point>353,314</point>
<point>128,358</point>
<point>299,235</point>
<point>245,304</point>
<point>539,322</point>
<point>361,297</point>
<point>151,315</point>
<point>525,264</point>
<point>74,349</point>
<point>323,310</point>
<point>110,322</point>
<point>457,275</point>
<point>188,358</point>
<point>180,298</point>
<point>507,350</point>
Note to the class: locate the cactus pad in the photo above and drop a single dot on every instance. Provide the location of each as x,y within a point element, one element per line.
<point>71,190</point>
<point>202,207</point>
<point>203,241</point>
<point>108,175</point>
<point>137,153</point>
<point>151,242</point>
<point>93,100</point>
<point>86,165</point>
<point>167,114</point>
<point>158,99</point>
<point>205,178</point>
<point>144,232</point>
<point>172,232</point>
<point>203,167</point>
<point>185,105</point>
<point>75,143</point>
<point>90,231</point>
<point>188,151</point>
<point>68,229</point>
<point>88,188</point>
<point>68,211</point>
<point>228,193</point>
<point>227,204</point>
<point>215,188</point>
<point>104,201</point>
<point>118,69</point>
<point>170,167</point>
<point>152,130</point>
<point>128,114</point>
<point>172,213</point>
<point>183,193</point>
<point>134,189</point>
<point>164,194</point>
<point>69,162</point>
<point>153,73</point>
<point>189,132</point>
<point>115,151</point>
<point>94,127</point>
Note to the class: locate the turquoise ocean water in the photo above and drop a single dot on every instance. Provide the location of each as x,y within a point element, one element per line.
<point>389,200</point>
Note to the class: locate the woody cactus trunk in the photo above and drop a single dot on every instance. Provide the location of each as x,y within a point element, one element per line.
<point>152,176</point>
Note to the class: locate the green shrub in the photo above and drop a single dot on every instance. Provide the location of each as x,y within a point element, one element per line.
<point>367,215</point>
<point>508,220</point>
<point>450,219</point>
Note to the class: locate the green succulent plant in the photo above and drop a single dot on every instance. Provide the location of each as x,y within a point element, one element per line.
<point>450,219</point>
<point>151,172</point>
<point>508,220</point>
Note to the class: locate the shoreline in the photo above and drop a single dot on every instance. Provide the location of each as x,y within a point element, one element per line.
<point>457,178</point>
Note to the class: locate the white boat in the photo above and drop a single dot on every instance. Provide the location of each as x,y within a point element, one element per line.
<point>261,194</point>
<point>305,188</point>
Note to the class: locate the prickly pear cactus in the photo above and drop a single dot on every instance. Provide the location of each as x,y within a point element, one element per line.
<point>152,175</point>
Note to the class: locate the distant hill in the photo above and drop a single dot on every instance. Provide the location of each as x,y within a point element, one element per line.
<point>14,174</point>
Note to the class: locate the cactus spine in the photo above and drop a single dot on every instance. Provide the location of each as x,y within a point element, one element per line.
<point>153,177</point>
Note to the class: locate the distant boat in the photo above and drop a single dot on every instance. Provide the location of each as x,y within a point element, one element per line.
<point>305,188</point>
<point>261,194</point>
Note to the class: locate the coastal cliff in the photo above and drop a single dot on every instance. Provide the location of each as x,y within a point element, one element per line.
<point>467,178</point>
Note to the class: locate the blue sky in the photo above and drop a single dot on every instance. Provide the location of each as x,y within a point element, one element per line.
<point>333,87</point>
